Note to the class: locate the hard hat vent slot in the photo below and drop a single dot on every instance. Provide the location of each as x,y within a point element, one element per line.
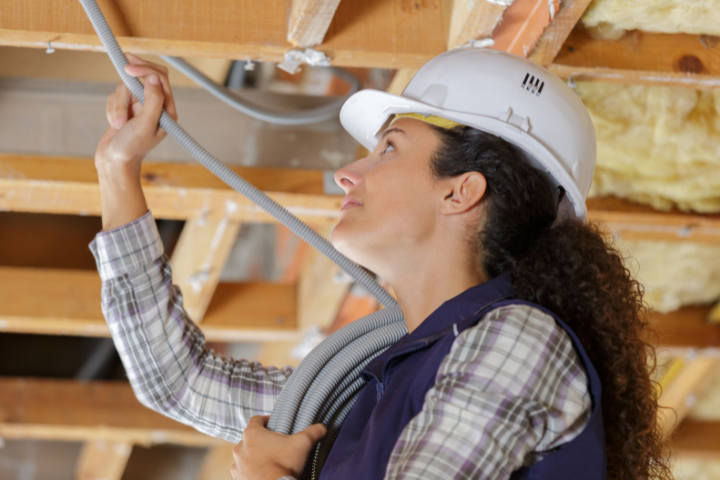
<point>533,84</point>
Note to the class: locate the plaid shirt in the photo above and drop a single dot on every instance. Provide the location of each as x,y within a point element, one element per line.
<point>537,400</point>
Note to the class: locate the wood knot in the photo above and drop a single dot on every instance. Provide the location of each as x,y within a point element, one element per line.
<point>690,64</point>
<point>412,6</point>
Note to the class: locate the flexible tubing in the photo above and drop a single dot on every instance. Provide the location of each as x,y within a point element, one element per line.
<point>280,213</point>
<point>290,400</point>
<point>304,117</point>
<point>343,391</point>
<point>340,367</point>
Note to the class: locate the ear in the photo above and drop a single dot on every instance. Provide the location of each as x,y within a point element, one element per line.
<point>462,193</point>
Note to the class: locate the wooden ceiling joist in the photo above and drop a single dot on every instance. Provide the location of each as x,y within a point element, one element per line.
<point>554,37</point>
<point>199,258</point>
<point>394,34</point>
<point>632,221</point>
<point>697,439</point>
<point>71,306</point>
<point>238,311</point>
<point>186,190</point>
<point>641,57</point>
<point>102,460</point>
<point>681,394</point>
<point>309,21</point>
<point>69,410</point>
<point>319,297</point>
<point>470,20</point>
<point>388,34</point>
<point>686,327</point>
<point>173,190</point>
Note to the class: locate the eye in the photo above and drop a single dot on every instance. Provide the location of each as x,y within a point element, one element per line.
<point>389,146</point>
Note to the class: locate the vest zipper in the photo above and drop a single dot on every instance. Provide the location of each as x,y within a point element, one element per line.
<point>314,473</point>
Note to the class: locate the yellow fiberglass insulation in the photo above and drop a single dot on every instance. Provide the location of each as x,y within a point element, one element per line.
<point>662,16</point>
<point>674,274</point>
<point>656,145</point>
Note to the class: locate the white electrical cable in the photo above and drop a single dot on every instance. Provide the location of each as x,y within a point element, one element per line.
<point>326,383</point>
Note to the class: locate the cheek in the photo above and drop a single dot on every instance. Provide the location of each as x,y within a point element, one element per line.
<point>398,211</point>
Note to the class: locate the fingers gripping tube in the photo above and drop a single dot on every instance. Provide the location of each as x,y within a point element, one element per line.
<point>324,386</point>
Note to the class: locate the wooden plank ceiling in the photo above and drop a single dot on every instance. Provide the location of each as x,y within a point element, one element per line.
<point>389,34</point>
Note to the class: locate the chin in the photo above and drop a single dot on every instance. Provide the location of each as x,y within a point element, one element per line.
<point>346,242</point>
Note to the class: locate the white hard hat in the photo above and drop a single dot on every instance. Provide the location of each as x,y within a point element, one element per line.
<point>499,93</point>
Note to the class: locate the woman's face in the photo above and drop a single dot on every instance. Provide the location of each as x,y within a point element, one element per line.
<point>391,200</point>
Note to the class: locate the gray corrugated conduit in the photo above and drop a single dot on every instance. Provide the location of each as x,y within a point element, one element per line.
<point>304,117</point>
<point>325,385</point>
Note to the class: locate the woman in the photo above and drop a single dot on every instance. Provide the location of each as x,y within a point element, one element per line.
<point>526,354</point>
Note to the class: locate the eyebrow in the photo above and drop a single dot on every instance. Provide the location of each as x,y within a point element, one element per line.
<point>390,130</point>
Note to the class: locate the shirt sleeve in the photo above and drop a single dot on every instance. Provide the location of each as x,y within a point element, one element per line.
<point>164,353</point>
<point>510,391</point>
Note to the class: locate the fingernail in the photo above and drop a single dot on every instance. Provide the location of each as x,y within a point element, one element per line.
<point>118,122</point>
<point>154,79</point>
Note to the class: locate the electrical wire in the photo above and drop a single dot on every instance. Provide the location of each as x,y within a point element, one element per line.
<point>303,117</point>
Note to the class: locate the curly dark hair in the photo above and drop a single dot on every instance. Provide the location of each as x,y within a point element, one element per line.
<point>568,268</point>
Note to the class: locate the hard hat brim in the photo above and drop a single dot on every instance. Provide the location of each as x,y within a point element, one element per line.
<point>366,112</point>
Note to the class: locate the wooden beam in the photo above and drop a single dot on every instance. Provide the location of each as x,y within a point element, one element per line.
<point>319,294</point>
<point>388,34</point>
<point>714,314</point>
<point>697,439</point>
<point>68,410</point>
<point>552,40</point>
<point>523,23</point>
<point>636,77</point>
<point>173,190</point>
<point>353,307</point>
<point>633,221</point>
<point>391,34</point>
<point>319,297</point>
<point>470,20</point>
<point>94,66</point>
<point>102,460</point>
<point>199,258</point>
<point>309,21</point>
<point>67,302</point>
<point>681,395</point>
<point>641,57</point>
<point>185,191</point>
<point>686,327</point>
<point>400,81</point>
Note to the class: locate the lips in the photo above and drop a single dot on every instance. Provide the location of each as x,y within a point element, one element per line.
<point>349,202</point>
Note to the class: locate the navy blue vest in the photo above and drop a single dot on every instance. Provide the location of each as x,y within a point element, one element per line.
<point>399,378</point>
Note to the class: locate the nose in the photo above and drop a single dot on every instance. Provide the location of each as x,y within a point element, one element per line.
<point>349,176</point>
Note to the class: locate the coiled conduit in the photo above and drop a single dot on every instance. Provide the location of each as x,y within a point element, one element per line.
<point>325,385</point>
